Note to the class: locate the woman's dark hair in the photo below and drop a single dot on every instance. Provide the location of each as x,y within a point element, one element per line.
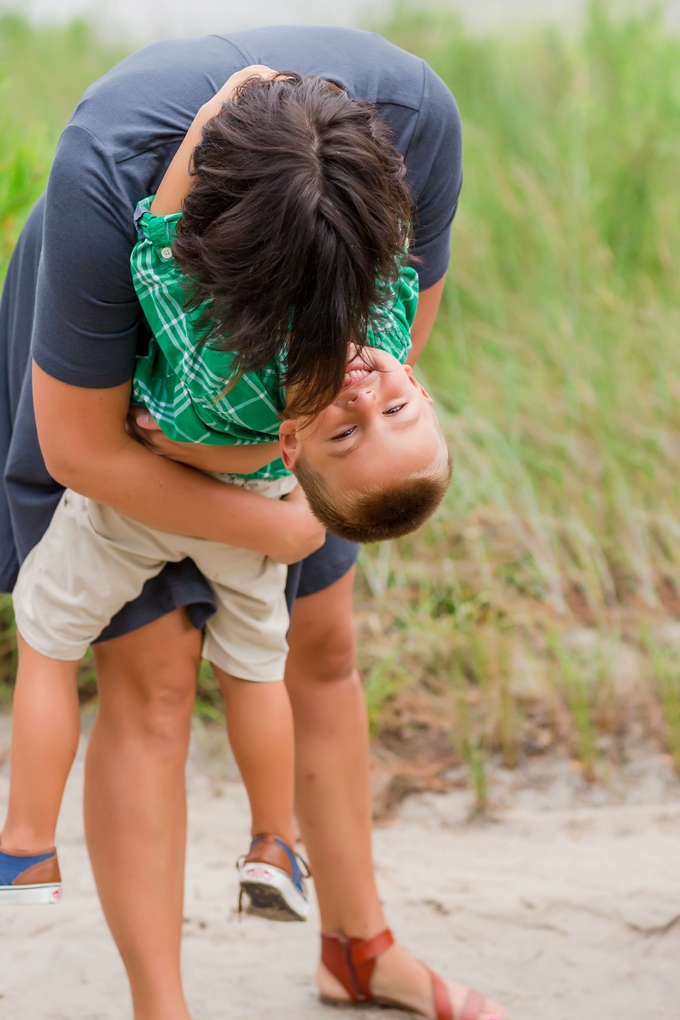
<point>297,217</point>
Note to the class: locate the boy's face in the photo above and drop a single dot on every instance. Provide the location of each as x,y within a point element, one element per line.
<point>380,427</point>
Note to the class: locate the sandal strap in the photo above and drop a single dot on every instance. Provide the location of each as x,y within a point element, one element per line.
<point>352,961</point>
<point>363,950</point>
<point>473,1006</point>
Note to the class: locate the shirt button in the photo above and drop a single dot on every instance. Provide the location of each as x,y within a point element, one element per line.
<point>166,253</point>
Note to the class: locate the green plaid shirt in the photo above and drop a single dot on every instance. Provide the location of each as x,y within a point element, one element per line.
<point>186,385</point>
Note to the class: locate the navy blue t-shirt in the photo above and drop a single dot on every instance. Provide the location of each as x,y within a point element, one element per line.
<point>126,129</point>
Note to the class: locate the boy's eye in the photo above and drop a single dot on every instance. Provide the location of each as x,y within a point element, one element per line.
<point>345,434</point>
<point>395,410</point>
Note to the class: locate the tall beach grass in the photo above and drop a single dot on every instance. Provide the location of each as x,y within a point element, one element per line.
<point>541,606</point>
<point>541,609</point>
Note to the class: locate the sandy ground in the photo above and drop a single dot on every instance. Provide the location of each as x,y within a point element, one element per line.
<point>566,906</point>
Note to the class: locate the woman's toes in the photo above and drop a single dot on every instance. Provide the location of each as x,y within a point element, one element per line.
<point>398,977</point>
<point>493,1011</point>
<point>459,993</point>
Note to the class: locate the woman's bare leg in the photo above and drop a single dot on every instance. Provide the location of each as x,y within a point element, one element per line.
<point>45,732</point>
<point>333,794</point>
<point>135,802</point>
<point>260,727</point>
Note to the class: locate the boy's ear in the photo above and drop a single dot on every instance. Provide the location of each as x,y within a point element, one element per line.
<point>290,448</point>
<point>425,394</point>
<point>418,386</point>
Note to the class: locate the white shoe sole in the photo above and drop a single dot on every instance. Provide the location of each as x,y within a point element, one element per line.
<point>271,893</point>
<point>22,895</point>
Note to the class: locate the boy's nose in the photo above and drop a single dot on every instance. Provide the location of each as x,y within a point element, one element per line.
<point>365,395</point>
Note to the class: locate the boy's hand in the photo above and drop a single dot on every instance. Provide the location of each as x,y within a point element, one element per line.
<point>176,183</point>
<point>301,534</point>
<point>238,78</point>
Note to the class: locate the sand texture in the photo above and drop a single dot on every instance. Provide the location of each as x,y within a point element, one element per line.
<point>566,906</point>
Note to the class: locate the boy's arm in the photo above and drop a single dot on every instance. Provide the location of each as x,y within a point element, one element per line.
<point>177,180</point>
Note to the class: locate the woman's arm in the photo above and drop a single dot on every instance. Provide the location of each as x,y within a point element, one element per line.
<point>87,448</point>
<point>177,180</point>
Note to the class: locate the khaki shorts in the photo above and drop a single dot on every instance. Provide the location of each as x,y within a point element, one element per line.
<point>92,560</point>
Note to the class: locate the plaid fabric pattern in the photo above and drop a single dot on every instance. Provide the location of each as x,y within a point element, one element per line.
<point>189,388</point>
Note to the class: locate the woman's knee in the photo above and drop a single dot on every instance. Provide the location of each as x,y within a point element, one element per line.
<point>147,679</point>
<point>166,705</point>
<point>154,706</point>
<point>334,657</point>
<point>321,639</point>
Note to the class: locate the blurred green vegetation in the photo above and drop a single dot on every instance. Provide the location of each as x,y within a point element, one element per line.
<point>556,367</point>
<point>43,73</point>
<point>539,610</point>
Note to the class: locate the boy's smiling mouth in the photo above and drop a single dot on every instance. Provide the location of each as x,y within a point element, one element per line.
<point>356,372</point>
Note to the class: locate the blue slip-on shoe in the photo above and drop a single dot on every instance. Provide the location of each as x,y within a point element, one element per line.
<point>29,878</point>
<point>271,877</point>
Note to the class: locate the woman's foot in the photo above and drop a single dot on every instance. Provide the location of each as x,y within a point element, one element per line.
<point>402,980</point>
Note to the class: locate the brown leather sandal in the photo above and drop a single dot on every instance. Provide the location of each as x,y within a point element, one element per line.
<point>352,962</point>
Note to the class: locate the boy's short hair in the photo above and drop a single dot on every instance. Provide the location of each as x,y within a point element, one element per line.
<point>297,218</point>
<point>382,512</point>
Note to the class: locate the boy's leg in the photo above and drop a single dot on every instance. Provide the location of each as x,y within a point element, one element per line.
<point>45,732</point>
<point>246,643</point>
<point>260,728</point>
<point>66,592</point>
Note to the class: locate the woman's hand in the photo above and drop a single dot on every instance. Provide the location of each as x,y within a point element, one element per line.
<point>240,460</point>
<point>142,427</point>
<point>301,533</point>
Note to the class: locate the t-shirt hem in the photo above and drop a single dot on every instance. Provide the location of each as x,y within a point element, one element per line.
<point>428,276</point>
<point>76,377</point>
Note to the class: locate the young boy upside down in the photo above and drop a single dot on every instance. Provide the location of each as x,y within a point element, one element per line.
<point>324,385</point>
